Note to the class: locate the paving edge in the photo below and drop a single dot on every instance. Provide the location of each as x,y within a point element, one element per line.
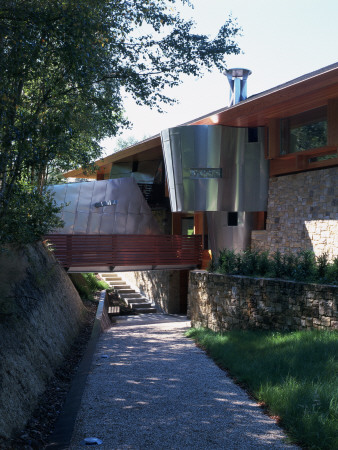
<point>64,426</point>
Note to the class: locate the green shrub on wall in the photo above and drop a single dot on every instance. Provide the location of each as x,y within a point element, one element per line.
<point>304,266</point>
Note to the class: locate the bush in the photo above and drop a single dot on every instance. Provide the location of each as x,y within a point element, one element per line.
<point>29,215</point>
<point>303,266</point>
<point>87,284</point>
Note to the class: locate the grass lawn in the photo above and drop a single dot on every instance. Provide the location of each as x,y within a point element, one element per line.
<point>294,374</point>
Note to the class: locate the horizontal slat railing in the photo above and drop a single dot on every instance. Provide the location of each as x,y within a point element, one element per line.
<point>81,250</point>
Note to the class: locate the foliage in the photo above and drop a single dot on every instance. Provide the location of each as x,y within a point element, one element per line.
<point>87,284</point>
<point>127,142</point>
<point>30,214</point>
<point>66,66</point>
<point>293,374</point>
<point>308,136</point>
<point>303,266</point>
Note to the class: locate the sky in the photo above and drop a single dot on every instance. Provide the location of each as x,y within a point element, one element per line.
<point>281,40</point>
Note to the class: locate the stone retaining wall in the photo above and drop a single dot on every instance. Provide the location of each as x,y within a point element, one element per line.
<point>40,316</point>
<point>302,214</point>
<point>223,302</point>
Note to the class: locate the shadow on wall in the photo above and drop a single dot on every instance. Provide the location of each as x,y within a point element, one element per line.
<point>303,213</point>
<point>166,288</point>
<point>319,236</point>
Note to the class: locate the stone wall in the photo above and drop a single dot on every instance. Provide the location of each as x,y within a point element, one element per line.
<point>163,287</point>
<point>302,213</point>
<point>40,315</point>
<point>223,302</point>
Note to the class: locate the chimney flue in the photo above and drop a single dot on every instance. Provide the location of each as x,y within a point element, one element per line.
<point>238,81</point>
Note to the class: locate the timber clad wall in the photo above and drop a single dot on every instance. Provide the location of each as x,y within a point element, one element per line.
<point>222,302</point>
<point>302,213</point>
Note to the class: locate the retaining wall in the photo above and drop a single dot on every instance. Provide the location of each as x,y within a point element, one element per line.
<point>223,302</point>
<point>163,287</point>
<point>40,316</point>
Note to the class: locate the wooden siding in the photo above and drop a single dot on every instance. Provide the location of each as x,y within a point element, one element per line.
<point>126,250</point>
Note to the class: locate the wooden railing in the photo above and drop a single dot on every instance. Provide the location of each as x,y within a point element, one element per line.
<point>84,250</point>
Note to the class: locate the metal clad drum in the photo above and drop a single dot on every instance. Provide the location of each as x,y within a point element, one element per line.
<point>192,156</point>
<point>130,214</point>
<point>217,169</point>
<point>222,236</point>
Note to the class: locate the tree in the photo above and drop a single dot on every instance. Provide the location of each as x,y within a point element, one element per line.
<point>65,67</point>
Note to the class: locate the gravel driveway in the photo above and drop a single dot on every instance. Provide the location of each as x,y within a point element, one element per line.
<point>151,388</point>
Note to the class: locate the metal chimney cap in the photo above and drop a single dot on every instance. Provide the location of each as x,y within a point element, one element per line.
<point>237,73</point>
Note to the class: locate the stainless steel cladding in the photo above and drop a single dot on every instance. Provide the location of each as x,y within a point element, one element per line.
<point>238,79</point>
<point>215,168</point>
<point>104,207</point>
<point>223,235</point>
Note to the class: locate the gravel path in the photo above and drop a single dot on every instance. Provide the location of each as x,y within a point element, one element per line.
<point>151,388</point>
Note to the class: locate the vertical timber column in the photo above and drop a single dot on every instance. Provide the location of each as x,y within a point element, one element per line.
<point>199,228</point>
<point>176,223</point>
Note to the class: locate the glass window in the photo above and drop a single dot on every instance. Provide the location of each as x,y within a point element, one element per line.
<point>304,131</point>
<point>188,225</point>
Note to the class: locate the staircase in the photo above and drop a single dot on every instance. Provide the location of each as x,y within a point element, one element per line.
<point>132,299</point>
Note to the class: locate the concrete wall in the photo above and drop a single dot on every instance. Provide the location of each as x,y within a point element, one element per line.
<point>163,287</point>
<point>40,315</point>
<point>223,302</point>
<point>302,213</point>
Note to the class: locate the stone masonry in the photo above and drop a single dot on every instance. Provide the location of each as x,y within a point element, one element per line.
<point>224,302</point>
<point>160,286</point>
<point>302,214</point>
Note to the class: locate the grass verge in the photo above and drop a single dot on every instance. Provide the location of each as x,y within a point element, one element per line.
<point>293,374</point>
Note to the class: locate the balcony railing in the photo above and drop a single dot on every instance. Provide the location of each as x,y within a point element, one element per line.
<point>86,250</point>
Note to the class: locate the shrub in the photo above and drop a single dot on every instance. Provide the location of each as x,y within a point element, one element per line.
<point>303,266</point>
<point>227,262</point>
<point>87,284</point>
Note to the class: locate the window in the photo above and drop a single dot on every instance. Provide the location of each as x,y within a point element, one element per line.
<point>304,131</point>
<point>232,219</point>
<point>252,134</point>
<point>187,226</point>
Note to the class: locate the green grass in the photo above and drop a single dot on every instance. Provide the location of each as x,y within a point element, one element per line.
<point>294,374</point>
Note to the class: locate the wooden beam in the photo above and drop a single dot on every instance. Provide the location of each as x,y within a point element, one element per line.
<point>274,138</point>
<point>199,223</point>
<point>307,160</point>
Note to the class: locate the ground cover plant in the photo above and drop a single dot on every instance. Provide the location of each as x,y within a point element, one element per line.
<point>294,374</point>
<point>303,266</point>
<point>87,284</point>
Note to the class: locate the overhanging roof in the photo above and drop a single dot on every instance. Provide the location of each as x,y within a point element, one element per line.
<point>307,92</point>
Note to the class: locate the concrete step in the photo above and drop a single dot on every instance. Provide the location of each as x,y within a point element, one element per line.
<point>131,298</point>
<point>110,277</point>
<point>140,305</point>
<point>131,295</point>
<point>125,290</point>
<point>136,300</point>
<point>146,310</point>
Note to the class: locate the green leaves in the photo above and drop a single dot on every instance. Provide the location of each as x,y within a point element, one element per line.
<point>65,67</point>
